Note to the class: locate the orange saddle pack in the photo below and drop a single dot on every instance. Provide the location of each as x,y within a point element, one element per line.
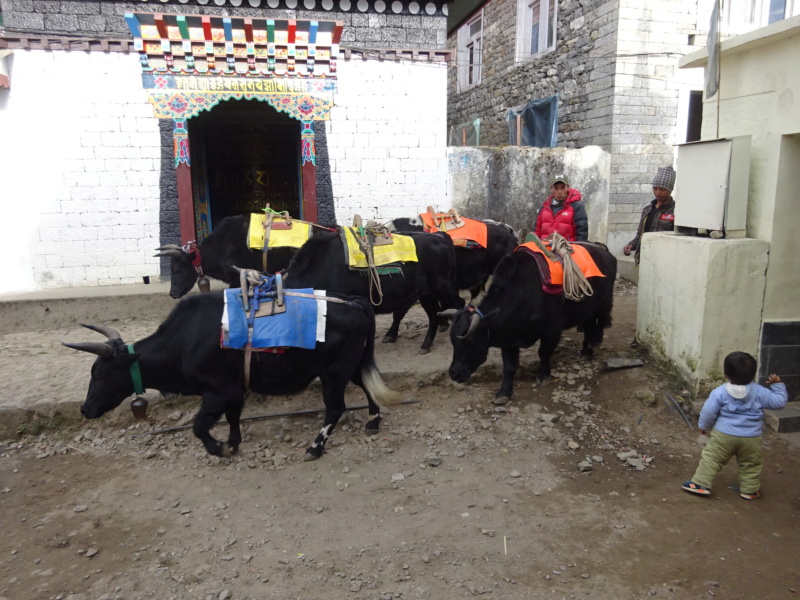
<point>580,255</point>
<point>461,230</point>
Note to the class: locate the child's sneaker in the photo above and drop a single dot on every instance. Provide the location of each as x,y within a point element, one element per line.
<point>753,496</point>
<point>694,488</point>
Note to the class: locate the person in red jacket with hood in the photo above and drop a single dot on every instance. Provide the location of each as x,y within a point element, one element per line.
<point>563,212</point>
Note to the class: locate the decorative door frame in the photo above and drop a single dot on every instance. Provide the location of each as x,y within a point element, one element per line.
<point>191,63</point>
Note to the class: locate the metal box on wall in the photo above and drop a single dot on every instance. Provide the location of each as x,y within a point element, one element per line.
<point>711,185</point>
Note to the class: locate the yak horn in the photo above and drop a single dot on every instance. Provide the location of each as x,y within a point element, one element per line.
<point>109,332</point>
<point>449,313</point>
<point>172,253</point>
<point>473,325</point>
<point>98,348</point>
<point>170,247</point>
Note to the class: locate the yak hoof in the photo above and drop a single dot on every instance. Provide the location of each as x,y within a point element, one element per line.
<point>500,400</point>
<point>225,451</point>
<point>443,327</point>
<point>423,351</point>
<point>389,339</point>
<point>544,381</point>
<point>373,426</point>
<point>312,453</point>
<point>586,354</point>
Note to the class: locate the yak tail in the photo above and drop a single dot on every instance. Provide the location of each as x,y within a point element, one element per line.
<point>373,382</point>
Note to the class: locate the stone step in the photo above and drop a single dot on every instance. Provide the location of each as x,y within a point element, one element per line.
<point>627,268</point>
<point>64,308</point>
<point>785,420</point>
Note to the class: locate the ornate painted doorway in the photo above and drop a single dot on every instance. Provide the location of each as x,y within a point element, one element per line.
<point>196,64</point>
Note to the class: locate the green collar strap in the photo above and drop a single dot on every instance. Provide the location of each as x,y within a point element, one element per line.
<point>136,375</point>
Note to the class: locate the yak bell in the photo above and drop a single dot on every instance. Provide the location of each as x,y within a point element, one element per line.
<point>139,407</point>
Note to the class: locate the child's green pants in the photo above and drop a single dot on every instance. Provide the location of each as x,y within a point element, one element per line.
<point>719,450</point>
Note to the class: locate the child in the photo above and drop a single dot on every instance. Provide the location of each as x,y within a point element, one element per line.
<point>735,411</point>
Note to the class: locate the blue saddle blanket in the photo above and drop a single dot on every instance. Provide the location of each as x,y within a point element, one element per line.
<point>301,326</point>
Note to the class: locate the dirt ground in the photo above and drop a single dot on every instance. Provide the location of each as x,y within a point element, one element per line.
<point>455,498</point>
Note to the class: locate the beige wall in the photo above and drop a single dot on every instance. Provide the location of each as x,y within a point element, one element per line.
<point>701,298</point>
<point>759,95</point>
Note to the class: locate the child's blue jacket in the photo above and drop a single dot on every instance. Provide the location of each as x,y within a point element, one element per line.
<point>741,417</point>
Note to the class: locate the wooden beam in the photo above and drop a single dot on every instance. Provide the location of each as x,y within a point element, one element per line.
<point>183,175</point>
<point>161,26</point>
<point>183,27</point>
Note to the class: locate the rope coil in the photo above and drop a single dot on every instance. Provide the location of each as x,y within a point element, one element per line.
<point>576,286</point>
<point>362,238</point>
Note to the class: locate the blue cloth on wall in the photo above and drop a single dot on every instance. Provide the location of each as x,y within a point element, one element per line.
<point>539,123</point>
<point>295,328</point>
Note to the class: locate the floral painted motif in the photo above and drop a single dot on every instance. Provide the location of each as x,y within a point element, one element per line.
<point>178,105</point>
<point>180,138</point>
<point>307,147</point>
<point>182,105</point>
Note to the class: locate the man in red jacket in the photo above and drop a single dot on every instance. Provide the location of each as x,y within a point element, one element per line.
<point>563,212</point>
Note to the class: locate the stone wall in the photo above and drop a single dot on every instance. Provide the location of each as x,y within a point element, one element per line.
<point>510,184</point>
<point>587,36</point>
<point>615,70</point>
<point>104,18</point>
<point>650,104</point>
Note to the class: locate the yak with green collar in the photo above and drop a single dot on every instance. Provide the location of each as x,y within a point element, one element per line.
<point>184,356</point>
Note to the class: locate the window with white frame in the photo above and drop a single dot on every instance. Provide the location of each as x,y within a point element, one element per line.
<point>536,27</point>
<point>741,16</point>
<point>470,52</point>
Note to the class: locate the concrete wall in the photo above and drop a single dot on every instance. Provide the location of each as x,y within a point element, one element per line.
<point>387,139</point>
<point>700,299</point>
<point>510,184</point>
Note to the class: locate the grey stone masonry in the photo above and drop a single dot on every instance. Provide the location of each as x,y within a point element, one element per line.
<point>572,70</point>
<point>104,18</point>
<point>614,68</point>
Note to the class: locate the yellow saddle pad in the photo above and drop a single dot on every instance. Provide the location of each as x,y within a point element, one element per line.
<point>278,238</point>
<point>402,250</point>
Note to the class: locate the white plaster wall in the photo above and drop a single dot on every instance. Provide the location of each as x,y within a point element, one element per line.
<point>387,138</point>
<point>79,170</point>
<point>700,299</point>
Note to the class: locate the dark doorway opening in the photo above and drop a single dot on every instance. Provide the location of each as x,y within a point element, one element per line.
<point>245,155</point>
<point>695,120</point>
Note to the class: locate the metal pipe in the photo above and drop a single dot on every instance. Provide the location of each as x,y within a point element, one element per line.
<point>298,413</point>
<point>680,410</point>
